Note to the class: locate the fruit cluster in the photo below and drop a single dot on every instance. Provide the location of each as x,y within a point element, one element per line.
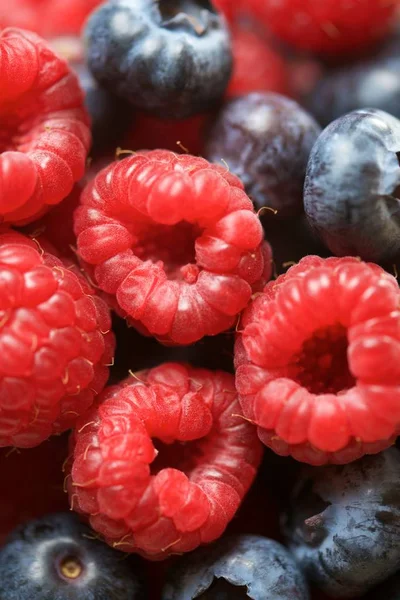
<point>199,305</point>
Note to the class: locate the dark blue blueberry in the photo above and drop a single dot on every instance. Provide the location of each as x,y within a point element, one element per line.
<point>109,114</point>
<point>170,57</point>
<point>247,566</point>
<point>57,558</point>
<point>344,524</point>
<point>351,187</point>
<point>266,140</point>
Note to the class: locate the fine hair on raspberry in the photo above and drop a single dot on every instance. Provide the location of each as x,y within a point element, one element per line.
<point>175,243</point>
<point>318,361</point>
<point>55,342</point>
<point>161,462</point>
<point>44,127</point>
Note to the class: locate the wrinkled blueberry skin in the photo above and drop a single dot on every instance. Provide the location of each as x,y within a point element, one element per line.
<point>246,566</point>
<point>109,114</point>
<point>344,524</point>
<point>266,140</point>
<point>170,57</point>
<point>374,82</point>
<point>30,564</point>
<point>350,188</point>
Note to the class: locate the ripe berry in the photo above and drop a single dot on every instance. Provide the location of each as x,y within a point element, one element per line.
<point>57,558</point>
<point>55,343</point>
<point>389,590</point>
<point>318,361</point>
<point>170,58</point>
<point>160,498</point>
<point>174,242</point>
<point>266,140</point>
<point>256,65</point>
<point>44,133</point>
<point>350,190</point>
<point>343,525</point>
<point>328,26</point>
<point>47,17</point>
<point>247,566</point>
<point>372,82</point>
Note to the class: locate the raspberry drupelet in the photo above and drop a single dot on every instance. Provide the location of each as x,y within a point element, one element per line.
<point>318,361</point>
<point>55,342</point>
<point>328,26</point>
<point>175,243</point>
<point>170,500</point>
<point>44,127</point>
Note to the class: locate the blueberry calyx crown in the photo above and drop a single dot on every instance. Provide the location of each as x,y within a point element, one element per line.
<point>194,16</point>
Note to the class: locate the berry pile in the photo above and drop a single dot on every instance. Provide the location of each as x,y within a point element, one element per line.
<point>199,305</point>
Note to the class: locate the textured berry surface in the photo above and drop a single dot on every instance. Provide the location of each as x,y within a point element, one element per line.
<point>174,242</point>
<point>266,140</point>
<point>328,27</point>
<point>343,526</point>
<point>170,500</point>
<point>172,58</point>
<point>44,134</point>
<point>57,558</point>
<point>256,65</point>
<point>55,343</point>
<point>318,361</point>
<point>351,184</point>
<point>47,17</point>
<point>247,566</point>
<point>40,470</point>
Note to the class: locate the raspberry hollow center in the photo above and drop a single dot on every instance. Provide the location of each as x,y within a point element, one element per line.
<point>173,245</point>
<point>321,365</point>
<point>183,456</point>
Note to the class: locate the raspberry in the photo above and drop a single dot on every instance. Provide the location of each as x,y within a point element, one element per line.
<point>256,66</point>
<point>54,342</point>
<point>318,361</point>
<point>47,17</point>
<point>175,243</point>
<point>327,26</point>
<point>40,470</point>
<point>170,500</point>
<point>44,133</point>
<point>228,7</point>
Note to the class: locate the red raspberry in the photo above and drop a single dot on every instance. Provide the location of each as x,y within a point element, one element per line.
<point>32,483</point>
<point>318,361</point>
<point>44,133</point>
<point>170,500</point>
<point>47,17</point>
<point>327,26</point>
<point>228,7</point>
<point>174,241</point>
<point>54,343</point>
<point>257,67</point>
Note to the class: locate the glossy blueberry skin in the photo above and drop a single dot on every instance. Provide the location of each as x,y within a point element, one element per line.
<point>246,566</point>
<point>266,140</point>
<point>350,188</point>
<point>30,564</point>
<point>374,82</point>
<point>344,524</point>
<point>170,57</point>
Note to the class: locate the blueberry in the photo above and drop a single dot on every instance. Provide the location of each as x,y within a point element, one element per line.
<point>57,558</point>
<point>109,114</point>
<point>266,140</point>
<point>170,57</point>
<point>373,82</point>
<point>351,185</point>
<point>247,566</point>
<point>343,525</point>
